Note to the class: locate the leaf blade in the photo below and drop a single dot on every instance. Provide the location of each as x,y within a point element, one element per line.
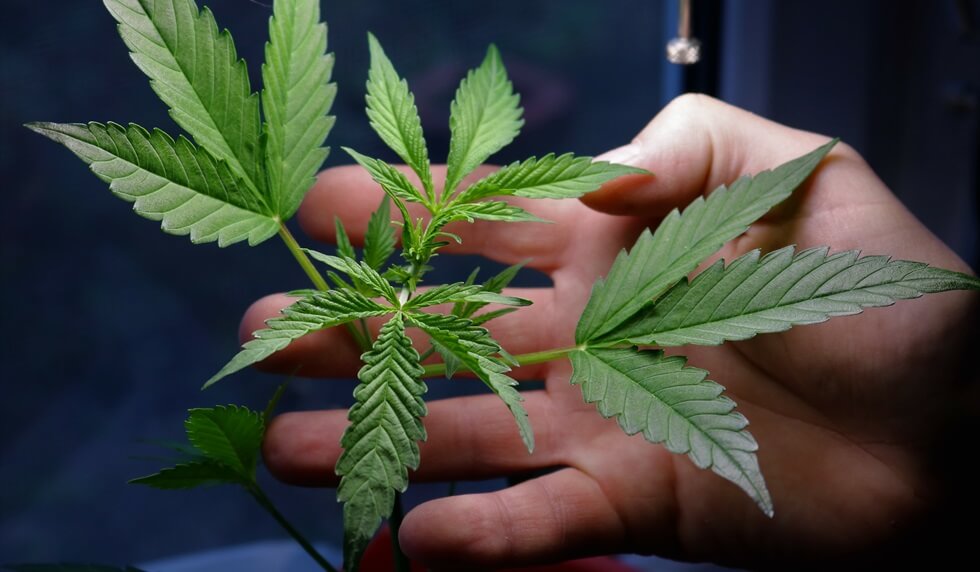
<point>393,116</point>
<point>196,71</point>
<point>379,240</point>
<point>550,177</point>
<point>322,310</point>
<point>485,116</point>
<point>381,442</point>
<point>674,405</point>
<point>658,260</point>
<point>190,475</point>
<point>170,181</point>
<point>754,295</point>
<point>228,435</point>
<point>296,98</point>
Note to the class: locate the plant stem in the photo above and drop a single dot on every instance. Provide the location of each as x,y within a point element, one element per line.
<point>363,339</point>
<point>397,514</point>
<point>437,369</point>
<point>266,503</point>
<point>302,258</point>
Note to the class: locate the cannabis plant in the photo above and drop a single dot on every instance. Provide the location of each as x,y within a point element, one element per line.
<point>247,160</point>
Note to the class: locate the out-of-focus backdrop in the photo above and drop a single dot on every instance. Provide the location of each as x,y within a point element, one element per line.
<point>110,326</point>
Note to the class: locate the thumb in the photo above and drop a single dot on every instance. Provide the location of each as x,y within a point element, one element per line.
<point>693,145</point>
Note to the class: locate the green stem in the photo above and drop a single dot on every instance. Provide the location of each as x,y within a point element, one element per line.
<point>363,339</point>
<point>302,258</point>
<point>437,369</point>
<point>266,503</point>
<point>397,514</point>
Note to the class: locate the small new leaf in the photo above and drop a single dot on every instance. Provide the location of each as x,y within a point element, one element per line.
<point>756,295</point>
<point>391,110</point>
<point>490,210</point>
<point>360,272</point>
<point>344,247</point>
<point>191,475</point>
<point>296,98</point>
<point>174,182</point>
<point>320,311</point>
<point>227,435</point>
<point>484,117</point>
<point>381,442</point>
<point>550,177</point>
<point>196,71</point>
<point>675,405</point>
<point>659,260</point>
<point>379,241</point>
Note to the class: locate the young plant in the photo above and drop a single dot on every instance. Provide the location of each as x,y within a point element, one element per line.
<point>242,175</point>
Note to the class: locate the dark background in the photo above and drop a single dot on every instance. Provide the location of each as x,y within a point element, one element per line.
<point>109,326</point>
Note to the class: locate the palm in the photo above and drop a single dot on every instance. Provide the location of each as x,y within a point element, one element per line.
<point>821,398</point>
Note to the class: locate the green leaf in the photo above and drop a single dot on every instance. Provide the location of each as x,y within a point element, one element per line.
<point>379,241</point>
<point>344,247</point>
<point>382,439</point>
<point>450,361</point>
<point>228,435</point>
<point>443,294</point>
<point>494,298</point>
<point>191,475</point>
<point>495,284</point>
<point>491,210</point>
<point>657,261</point>
<point>475,349</point>
<point>675,405</point>
<point>778,291</point>
<point>391,110</point>
<point>296,97</point>
<point>484,117</point>
<point>321,311</point>
<point>550,177</point>
<point>68,567</point>
<point>173,182</point>
<point>196,71</point>
<point>360,272</point>
<point>481,319</point>
<point>393,182</point>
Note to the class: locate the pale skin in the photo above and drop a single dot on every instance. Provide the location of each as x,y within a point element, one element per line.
<point>843,411</point>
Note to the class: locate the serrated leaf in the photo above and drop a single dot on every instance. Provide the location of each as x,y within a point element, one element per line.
<point>484,117</point>
<point>659,260</point>
<point>361,272</point>
<point>449,359</point>
<point>228,435</point>
<point>169,181</point>
<point>379,241</point>
<point>778,291</point>
<point>191,475</point>
<point>550,177</point>
<point>296,97</point>
<point>443,294</point>
<point>475,349</point>
<point>494,298</point>
<point>674,405</point>
<point>344,247</point>
<point>393,182</point>
<point>68,567</point>
<point>481,319</point>
<point>321,311</point>
<point>196,71</point>
<point>495,284</point>
<point>381,442</point>
<point>391,110</point>
<point>490,210</point>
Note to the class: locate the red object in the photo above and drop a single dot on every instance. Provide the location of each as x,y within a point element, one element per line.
<point>379,558</point>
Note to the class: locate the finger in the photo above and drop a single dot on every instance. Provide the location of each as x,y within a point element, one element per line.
<point>468,438</point>
<point>695,144</point>
<point>559,516</point>
<point>333,353</point>
<point>349,193</point>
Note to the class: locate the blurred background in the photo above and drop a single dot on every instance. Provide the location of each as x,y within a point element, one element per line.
<point>111,326</point>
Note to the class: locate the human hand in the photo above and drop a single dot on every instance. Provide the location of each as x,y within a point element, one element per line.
<point>844,412</point>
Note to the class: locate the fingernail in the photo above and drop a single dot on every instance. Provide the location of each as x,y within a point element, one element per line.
<point>625,155</point>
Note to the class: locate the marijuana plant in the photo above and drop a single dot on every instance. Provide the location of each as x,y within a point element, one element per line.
<point>249,159</point>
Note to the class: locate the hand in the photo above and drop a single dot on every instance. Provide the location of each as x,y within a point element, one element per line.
<point>845,412</point>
